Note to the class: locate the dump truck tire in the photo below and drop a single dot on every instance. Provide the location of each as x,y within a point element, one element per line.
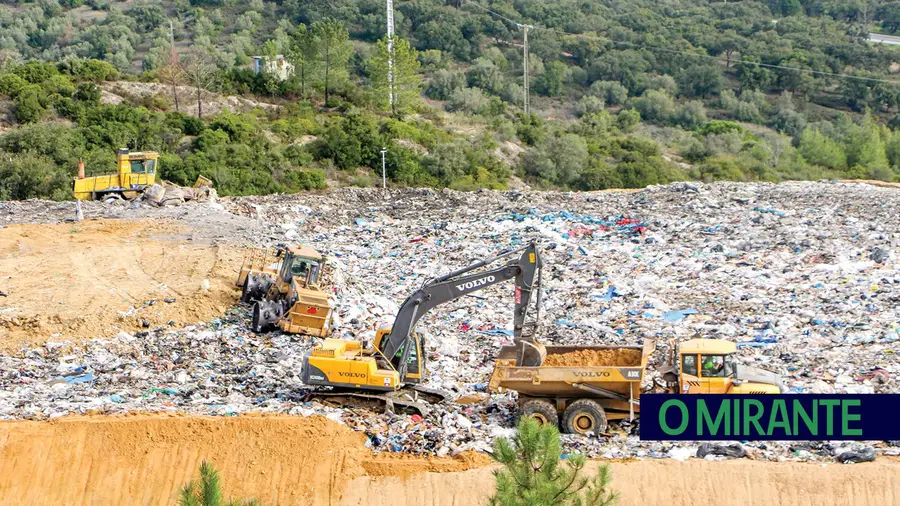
<point>541,410</point>
<point>584,416</point>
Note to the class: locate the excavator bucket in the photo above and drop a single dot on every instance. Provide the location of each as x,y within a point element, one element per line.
<point>531,354</point>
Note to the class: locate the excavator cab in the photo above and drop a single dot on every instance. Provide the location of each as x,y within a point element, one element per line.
<point>415,361</point>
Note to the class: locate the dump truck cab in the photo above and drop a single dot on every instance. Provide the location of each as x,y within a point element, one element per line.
<point>709,366</point>
<point>134,173</point>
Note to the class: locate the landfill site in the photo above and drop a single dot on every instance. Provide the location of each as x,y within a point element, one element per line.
<point>137,340</point>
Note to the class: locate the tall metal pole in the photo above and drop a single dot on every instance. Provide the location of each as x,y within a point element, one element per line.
<point>383,169</point>
<point>525,65</point>
<point>390,34</point>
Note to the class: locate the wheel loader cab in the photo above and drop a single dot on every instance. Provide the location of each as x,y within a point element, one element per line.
<point>416,369</point>
<point>709,366</point>
<point>303,265</point>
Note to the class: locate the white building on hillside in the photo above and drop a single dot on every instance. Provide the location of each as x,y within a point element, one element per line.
<point>279,66</point>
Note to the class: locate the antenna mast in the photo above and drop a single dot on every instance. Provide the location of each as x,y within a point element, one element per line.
<point>390,34</point>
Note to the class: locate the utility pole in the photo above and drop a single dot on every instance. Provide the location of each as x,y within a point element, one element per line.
<point>383,168</point>
<point>524,64</point>
<point>390,34</point>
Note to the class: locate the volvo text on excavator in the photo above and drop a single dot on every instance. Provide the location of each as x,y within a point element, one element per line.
<point>395,362</point>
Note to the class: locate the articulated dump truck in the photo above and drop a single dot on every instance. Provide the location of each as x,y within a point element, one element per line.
<point>582,388</point>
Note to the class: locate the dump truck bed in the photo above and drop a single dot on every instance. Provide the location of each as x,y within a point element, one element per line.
<point>613,372</point>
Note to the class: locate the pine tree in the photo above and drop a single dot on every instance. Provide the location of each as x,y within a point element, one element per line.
<point>302,54</point>
<point>534,475</point>
<point>865,146</point>
<point>406,80</point>
<point>208,491</point>
<point>818,149</point>
<point>332,53</point>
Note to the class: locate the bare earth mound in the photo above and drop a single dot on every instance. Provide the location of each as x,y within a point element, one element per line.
<point>76,281</point>
<point>595,358</point>
<point>312,461</point>
<point>144,459</point>
<point>666,482</point>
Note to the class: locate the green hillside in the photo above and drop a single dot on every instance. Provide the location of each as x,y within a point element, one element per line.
<point>622,94</point>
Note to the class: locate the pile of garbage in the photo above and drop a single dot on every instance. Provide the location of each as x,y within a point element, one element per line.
<point>802,276</point>
<point>171,195</point>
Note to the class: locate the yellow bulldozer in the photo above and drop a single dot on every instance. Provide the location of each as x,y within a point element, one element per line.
<point>135,173</point>
<point>287,290</point>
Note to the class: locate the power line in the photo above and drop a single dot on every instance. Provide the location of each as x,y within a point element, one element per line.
<point>686,53</point>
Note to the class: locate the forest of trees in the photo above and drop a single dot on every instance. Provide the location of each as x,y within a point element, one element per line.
<point>622,94</point>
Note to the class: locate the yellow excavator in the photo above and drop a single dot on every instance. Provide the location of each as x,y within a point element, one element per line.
<point>135,173</point>
<point>390,368</point>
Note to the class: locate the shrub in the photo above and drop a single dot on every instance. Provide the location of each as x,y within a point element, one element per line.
<point>470,100</point>
<point>207,491</point>
<point>589,105</point>
<point>655,106</point>
<point>534,475</point>
<point>691,115</point>
<point>611,92</point>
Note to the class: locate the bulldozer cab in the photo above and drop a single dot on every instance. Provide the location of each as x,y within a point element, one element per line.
<point>709,366</point>
<point>416,362</point>
<point>138,169</point>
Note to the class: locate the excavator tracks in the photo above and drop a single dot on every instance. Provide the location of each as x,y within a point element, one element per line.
<point>413,399</point>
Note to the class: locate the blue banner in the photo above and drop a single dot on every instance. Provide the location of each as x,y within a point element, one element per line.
<point>786,417</point>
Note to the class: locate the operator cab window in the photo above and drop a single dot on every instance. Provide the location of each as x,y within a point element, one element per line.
<point>143,166</point>
<point>305,269</point>
<point>730,366</point>
<point>689,364</point>
<point>713,366</point>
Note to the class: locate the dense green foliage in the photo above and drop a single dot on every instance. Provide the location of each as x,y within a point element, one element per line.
<point>533,473</point>
<point>625,94</point>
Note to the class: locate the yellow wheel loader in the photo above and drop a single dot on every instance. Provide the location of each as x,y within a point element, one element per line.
<point>389,369</point>
<point>136,172</point>
<point>286,289</point>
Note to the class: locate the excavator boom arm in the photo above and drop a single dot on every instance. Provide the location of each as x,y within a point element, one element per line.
<point>458,284</point>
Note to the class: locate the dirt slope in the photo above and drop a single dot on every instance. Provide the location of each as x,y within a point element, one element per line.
<point>666,482</point>
<point>81,280</point>
<point>294,460</point>
<point>144,459</point>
